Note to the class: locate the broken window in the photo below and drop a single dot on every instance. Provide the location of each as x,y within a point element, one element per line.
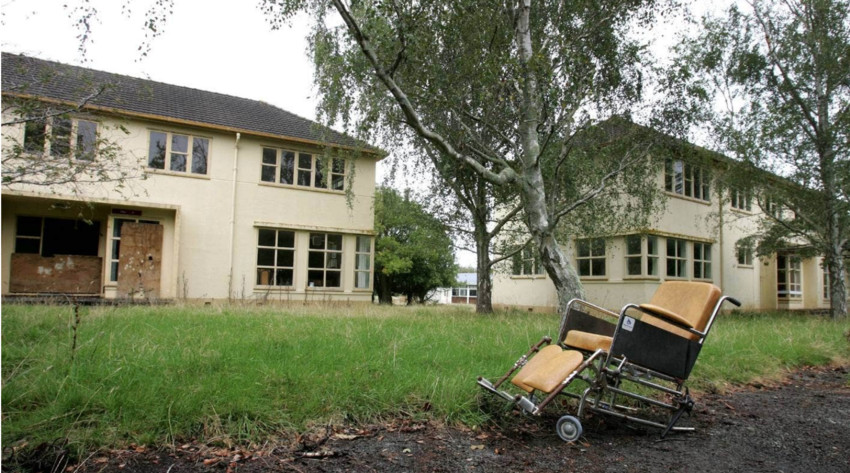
<point>56,236</point>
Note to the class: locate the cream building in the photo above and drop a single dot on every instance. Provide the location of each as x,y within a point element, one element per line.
<point>240,200</point>
<point>699,236</point>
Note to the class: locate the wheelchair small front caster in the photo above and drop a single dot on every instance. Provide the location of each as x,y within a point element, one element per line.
<point>568,428</point>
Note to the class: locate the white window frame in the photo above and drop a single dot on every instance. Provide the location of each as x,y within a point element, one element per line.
<point>789,276</point>
<point>741,199</point>
<point>169,153</point>
<point>359,258</point>
<point>687,180</point>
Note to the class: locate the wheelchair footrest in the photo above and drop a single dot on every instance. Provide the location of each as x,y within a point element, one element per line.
<point>486,384</point>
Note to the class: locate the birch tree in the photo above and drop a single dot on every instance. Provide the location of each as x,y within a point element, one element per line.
<point>781,71</point>
<point>499,89</point>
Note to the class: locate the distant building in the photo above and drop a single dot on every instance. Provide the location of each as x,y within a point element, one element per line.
<point>242,199</point>
<point>466,291</point>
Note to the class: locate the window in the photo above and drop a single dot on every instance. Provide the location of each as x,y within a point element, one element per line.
<point>278,166</point>
<point>28,237</point>
<point>526,262</point>
<point>637,256</point>
<point>741,200</point>
<point>686,179</point>
<point>590,257</point>
<point>744,252</point>
<point>178,153</point>
<point>788,277</point>
<point>115,243</point>
<point>324,260</point>
<point>702,260</point>
<point>677,258</point>
<point>825,284</point>
<point>275,257</point>
<point>35,132</point>
<point>56,236</point>
<point>64,135</point>
<point>362,263</point>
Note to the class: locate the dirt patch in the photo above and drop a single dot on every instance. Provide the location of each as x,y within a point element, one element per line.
<point>801,424</point>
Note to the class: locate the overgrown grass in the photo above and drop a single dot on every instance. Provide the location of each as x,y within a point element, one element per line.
<point>164,374</point>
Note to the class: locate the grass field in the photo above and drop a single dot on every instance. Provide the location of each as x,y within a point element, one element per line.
<point>164,374</point>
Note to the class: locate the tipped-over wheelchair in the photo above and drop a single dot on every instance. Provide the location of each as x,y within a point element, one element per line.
<point>634,364</point>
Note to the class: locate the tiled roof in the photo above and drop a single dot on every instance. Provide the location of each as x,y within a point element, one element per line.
<point>46,79</point>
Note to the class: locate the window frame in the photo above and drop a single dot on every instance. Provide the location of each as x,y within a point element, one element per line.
<point>744,253</point>
<point>740,199</point>
<point>326,258</point>
<point>702,261</point>
<point>648,259</point>
<point>790,285</point>
<point>679,258</point>
<point>526,262</point>
<point>357,269</point>
<point>591,256</point>
<point>48,138</point>
<point>276,248</point>
<point>687,180</point>
<point>304,177</point>
<point>39,237</point>
<point>169,152</point>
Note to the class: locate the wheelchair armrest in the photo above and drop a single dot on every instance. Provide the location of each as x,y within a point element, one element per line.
<point>667,315</point>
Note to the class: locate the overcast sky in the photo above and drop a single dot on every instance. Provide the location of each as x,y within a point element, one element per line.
<point>207,45</point>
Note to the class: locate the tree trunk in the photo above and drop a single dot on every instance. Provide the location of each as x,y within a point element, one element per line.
<point>382,288</point>
<point>532,190</point>
<point>484,301</point>
<point>480,216</point>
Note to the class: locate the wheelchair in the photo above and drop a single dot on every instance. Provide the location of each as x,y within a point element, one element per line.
<point>632,365</point>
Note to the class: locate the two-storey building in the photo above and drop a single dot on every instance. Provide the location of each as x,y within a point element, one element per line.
<point>224,197</point>
<point>704,233</point>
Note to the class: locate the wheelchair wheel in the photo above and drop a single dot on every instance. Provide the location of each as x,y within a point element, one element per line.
<point>568,428</point>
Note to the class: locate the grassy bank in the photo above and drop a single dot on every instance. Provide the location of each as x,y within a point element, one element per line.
<point>160,374</point>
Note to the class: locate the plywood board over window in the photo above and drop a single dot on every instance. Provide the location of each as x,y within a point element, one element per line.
<point>140,260</point>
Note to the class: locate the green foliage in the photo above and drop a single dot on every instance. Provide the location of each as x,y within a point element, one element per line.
<point>413,251</point>
<point>780,69</point>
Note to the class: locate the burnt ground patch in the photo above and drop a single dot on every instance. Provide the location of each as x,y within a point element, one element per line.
<point>800,424</point>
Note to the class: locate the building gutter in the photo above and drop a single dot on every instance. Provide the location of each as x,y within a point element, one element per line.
<point>233,216</point>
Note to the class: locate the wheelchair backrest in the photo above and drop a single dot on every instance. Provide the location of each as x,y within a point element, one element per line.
<point>693,301</point>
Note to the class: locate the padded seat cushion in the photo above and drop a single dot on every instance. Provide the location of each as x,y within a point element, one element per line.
<point>551,374</point>
<point>587,341</point>
<point>541,358</point>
